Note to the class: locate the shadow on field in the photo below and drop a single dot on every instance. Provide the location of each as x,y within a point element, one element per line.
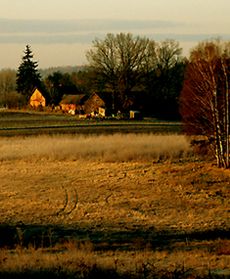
<point>104,273</point>
<point>93,273</point>
<point>45,236</point>
<point>49,236</point>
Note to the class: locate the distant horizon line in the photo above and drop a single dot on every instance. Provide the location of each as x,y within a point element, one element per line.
<point>48,67</point>
<point>87,38</point>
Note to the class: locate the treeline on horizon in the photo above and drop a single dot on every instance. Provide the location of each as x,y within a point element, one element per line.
<point>137,72</point>
<point>81,80</point>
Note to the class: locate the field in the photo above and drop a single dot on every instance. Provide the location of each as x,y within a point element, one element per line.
<point>114,205</point>
<point>33,123</point>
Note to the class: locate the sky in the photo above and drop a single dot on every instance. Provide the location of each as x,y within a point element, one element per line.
<point>60,32</point>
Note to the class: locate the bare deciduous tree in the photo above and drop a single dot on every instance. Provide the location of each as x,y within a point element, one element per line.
<point>7,81</point>
<point>121,60</point>
<point>205,96</point>
<point>8,95</point>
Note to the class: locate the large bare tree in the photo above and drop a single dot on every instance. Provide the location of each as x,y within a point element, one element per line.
<point>205,96</point>
<point>121,60</point>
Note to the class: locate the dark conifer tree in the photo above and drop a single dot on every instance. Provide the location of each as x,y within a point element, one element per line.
<point>28,76</point>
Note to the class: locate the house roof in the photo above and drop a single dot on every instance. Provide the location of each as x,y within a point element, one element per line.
<point>106,97</point>
<point>36,95</point>
<point>80,99</point>
<point>74,99</point>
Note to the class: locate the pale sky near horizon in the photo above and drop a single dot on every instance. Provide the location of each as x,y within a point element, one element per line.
<point>60,32</point>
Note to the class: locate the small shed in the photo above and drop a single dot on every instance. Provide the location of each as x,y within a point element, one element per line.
<point>135,114</point>
<point>37,99</point>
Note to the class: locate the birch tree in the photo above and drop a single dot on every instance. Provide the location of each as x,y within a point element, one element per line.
<point>205,97</point>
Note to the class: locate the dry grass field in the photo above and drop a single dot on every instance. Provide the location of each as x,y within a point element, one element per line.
<point>111,206</point>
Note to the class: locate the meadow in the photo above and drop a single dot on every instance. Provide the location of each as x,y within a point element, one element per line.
<point>120,205</point>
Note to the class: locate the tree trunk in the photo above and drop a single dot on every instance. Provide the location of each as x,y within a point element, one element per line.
<point>226,110</point>
<point>219,141</point>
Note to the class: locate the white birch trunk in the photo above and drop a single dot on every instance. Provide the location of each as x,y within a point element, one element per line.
<point>226,109</point>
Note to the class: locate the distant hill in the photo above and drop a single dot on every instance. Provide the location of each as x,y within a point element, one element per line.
<point>63,69</point>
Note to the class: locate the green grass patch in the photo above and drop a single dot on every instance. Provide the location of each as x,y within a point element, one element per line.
<point>34,123</point>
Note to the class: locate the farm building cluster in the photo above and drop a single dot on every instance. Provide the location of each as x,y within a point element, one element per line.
<point>86,106</point>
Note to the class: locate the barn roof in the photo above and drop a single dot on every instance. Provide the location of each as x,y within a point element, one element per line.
<point>106,97</point>
<point>74,99</point>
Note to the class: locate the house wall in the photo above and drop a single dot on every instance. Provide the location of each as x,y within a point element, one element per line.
<point>37,99</point>
<point>68,107</point>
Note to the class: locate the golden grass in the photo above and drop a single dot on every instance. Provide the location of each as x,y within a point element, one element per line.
<point>120,206</point>
<point>81,263</point>
<point>112,148</point>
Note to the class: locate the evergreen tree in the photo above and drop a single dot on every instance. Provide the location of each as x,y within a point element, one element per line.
<point>28,76</point>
